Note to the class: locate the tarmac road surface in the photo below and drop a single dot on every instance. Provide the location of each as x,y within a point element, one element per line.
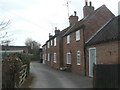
<point>48,77</point>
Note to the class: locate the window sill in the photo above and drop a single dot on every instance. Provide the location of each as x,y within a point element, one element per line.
<point>55,62</point>
<point>78,64</point>
<point>68,43</point>
<point>77,40</point>
<point>68,64</point>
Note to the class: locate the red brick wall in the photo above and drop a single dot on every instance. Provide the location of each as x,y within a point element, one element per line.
<point>106,53</point>
<point>73,47</point>
<point>96,21</point>
<point>54,49</point>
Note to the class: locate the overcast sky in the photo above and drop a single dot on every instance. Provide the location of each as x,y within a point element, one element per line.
<point>37,18</point>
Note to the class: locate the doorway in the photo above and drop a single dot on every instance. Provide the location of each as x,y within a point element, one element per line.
<point>92,60</point>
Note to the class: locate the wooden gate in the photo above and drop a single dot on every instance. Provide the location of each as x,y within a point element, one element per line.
<point>106,76</point>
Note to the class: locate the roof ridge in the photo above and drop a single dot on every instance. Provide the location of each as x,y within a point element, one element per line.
<point>83,20</point>
<point>95,11</point>
<point>69,29</point>
<point>99,30</point>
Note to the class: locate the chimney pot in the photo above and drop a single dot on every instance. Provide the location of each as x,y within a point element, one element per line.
<point>75,13</point>
<point>55,28</point>
<point>57,31</point>
<point>86,3</point>
<point>90,3</point>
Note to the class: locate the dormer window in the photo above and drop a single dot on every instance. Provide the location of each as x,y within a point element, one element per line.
<point>78,35</point>
<point>68,39</point>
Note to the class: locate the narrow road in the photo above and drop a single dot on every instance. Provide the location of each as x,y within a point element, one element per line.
<point>48,77</point>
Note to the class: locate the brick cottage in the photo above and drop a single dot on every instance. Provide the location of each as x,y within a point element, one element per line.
<point>103,46</point>
<point>71,46</point>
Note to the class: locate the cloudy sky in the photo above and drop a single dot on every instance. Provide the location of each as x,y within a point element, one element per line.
<point>37,18</point>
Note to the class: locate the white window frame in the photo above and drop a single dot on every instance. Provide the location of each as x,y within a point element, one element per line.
<point>68,39</point>
<point>55,58</point>
<point>48,56</point>
<point>67,58</point>
<point>77,35</point>
<point>54,41</point>
<point>51,42</point>
<point>78,57</point>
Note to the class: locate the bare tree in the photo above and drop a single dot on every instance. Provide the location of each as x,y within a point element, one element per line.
<point>28,42</point>
<point>7,42</point>
<point>4,25</point>
<point>4,37</point>
<point>32,43</point>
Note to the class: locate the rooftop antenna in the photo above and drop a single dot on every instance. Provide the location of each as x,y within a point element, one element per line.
<point>68,7</point>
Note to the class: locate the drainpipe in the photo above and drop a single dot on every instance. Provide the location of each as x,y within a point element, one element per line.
<point>84,50</point>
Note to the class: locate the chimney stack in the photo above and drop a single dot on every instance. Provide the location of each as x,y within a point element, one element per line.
<point>55,28</point>
<point>73,19</point>
<point>88,9</point>
<point>57,31</point>
<point>50,35</point>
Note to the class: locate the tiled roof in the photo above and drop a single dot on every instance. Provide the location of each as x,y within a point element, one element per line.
<point>87,21</point>
<point>108,33</point>
<point>61,33</point>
